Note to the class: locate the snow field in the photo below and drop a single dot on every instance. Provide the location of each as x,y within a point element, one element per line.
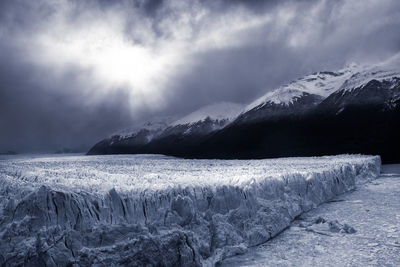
<point>148,209</point>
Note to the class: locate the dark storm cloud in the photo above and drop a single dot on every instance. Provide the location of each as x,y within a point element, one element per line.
<point>235,74</point>
<point>53,95</point>
<point>328,37</point>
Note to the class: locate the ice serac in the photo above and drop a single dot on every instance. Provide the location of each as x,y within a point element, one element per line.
<point>186,225</point>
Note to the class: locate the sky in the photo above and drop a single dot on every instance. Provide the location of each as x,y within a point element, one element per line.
<point>73,72</point>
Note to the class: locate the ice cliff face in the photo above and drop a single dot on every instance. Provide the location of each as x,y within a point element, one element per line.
<point>193,220</point>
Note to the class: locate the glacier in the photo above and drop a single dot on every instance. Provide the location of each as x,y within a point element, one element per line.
<point>153,210</point>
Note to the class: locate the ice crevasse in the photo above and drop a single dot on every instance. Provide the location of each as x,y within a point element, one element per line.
<point>188,225</point>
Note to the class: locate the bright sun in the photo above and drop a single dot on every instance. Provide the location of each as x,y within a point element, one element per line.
<point>113,61</point>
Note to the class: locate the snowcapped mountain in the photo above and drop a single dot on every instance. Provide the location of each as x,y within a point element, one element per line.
<point>374,85</point>
<point>206,119</point>
<point>297,97</point>
<point>385,71</point>
<point>223,112</point>
<point>320,84</point>
<point>162,129</point>
<point>353,110</point>
<point>147,129</point>
<point>133,137</point>
<point>330,91</point>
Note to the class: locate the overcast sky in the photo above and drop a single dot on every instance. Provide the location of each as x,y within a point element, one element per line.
<point>72,72</point>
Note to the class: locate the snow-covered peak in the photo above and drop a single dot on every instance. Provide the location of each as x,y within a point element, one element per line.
<point>321,83</point>
<point>153,125</point>
<point>219,111</point>
<point>386,70</point>
<point>283,95</point>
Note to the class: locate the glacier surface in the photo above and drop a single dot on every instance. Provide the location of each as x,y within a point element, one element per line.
<point>141,210</point>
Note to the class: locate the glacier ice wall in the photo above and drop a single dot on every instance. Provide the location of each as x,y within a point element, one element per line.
<point>174,226</point>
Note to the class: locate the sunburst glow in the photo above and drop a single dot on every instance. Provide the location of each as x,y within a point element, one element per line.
<point>114,61</point>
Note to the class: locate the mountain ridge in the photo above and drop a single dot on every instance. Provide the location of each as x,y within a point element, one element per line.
<point>353,110</point>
